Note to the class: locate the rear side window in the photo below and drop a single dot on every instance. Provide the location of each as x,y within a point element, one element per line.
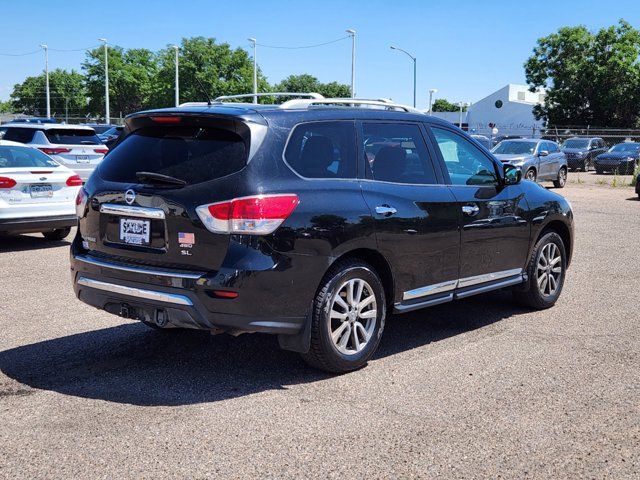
<point>190,153</point>
<point>24,157</point>
<point>17,134</point>
<point>397,153</point>
<point>67,136</point>
<point>323,150</point>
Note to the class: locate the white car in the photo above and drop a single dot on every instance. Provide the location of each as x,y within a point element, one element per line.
<point>75,146</point>
<point>37,194</point>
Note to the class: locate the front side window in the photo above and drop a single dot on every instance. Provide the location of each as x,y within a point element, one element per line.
<point>323,150</point>
<point>17,134</point>
<point>465,162</point>
<point>397,153</point>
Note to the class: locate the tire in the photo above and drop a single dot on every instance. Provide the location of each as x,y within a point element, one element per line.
<point>535,292</point>
<point>531,175</point>
<point>562,178</point>
<point>599,171</point>
<point>585,165</point>
<point>57,234</point>
<point>339,356</point>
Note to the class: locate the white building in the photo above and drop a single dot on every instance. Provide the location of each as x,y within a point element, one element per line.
<point>510,109</point>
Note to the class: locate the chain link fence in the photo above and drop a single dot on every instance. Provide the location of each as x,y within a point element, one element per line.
<point>71,120</point>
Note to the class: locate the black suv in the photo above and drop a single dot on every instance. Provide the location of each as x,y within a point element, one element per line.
<point>312,220</point>
<point>582,151</point>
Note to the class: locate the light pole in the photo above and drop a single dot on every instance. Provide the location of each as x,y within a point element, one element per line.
<point>46,76</point>
<point>414,71</point>
<point>255,70</point>
<point>352,34</point>
<point>431,92</point>
<point>461,105</point>
<point>177,49</point>
<point>106,80</point>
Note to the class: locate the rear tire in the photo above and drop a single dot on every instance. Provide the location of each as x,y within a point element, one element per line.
<point>545,273</point>
<point>348,318</point>
<point>562,178</point>
<point>531,175</point>
<point>57,234</point>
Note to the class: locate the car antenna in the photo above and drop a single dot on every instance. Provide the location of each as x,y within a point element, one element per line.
<point>203,90</point>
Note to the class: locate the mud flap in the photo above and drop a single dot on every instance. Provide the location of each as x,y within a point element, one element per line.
<point>299,342</point>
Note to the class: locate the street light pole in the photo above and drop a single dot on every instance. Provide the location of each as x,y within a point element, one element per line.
<point>431,92</point>
<point>46,75</point>
<point>352,34</point>
<point>106,79</point>
<point>177,48</point>
<point>461,105</point>
<point>255,70</point>
<point>414,70</point>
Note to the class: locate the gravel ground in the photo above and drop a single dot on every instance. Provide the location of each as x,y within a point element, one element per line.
<point>478,388</point>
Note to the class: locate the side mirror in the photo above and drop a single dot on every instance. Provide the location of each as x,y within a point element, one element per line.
<point>543,153</point>
<point>512,175</point>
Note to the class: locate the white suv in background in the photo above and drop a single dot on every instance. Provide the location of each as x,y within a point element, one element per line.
<point>75,146</point>
<point>36,193</point>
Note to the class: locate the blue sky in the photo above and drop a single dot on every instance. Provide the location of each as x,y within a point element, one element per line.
<point>465,49</point>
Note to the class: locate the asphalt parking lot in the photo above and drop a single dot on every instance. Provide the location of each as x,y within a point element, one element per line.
<point>478,388</point>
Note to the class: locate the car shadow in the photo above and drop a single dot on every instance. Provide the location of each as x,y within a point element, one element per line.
<point>634,199</point>
<point>132,364</point>
<point>22,243</point>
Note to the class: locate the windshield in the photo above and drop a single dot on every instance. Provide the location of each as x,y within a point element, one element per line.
<point>24,157</point>
<point>515,148</point>
<point>626,148</point>
<point>69,136</point>
<point>576,143</point>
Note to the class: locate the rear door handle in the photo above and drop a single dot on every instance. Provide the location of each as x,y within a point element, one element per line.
<point>385,210</point>
<point>470,210</point>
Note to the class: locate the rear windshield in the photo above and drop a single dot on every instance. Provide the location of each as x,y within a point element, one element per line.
<point>193,154</point>
<point>67,136</point>
<point>17,134</point>
<point>24,157</point>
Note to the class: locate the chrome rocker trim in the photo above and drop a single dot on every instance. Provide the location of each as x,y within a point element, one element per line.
<point>135,292</point>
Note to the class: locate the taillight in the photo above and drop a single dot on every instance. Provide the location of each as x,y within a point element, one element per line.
<point>74,181</point>
<point>257,215</point>
<point>104,151</point>
<point>81,203</point>
<point>54,150</point>
<point>171,119</point>
<point>6,182</point>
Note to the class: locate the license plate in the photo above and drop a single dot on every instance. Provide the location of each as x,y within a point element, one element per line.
<point>134,231</point>
<point>41,191</point>
<point>82,158</point>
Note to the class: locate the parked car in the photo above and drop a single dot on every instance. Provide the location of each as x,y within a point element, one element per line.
<point>582,151</point>
<point>276,218</point>
<point>501,138</point>
<point>34,120</point>
<point>36,193</point>
<point>74,146</point>
<point>99,128</point>
<point>622,158</point>
<point>540,160</point>
<point>482,140</point>
<point>638,186</point>
<point>110,136</point>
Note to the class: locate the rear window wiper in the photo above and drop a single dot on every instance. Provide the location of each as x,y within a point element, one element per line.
<point>152,177</point>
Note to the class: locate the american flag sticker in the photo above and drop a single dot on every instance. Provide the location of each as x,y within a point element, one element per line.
<point>186,238</point>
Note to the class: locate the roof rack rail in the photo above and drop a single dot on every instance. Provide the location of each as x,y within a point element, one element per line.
<point>380,102</point>
<point>312,95</point>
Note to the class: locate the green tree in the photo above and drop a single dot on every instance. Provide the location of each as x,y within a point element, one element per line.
<point>443,105</point>
<point>6,107</point>
<point>309,83</point>
<point>66,92</point>
<point>132,77</point>
<point>590,78</point>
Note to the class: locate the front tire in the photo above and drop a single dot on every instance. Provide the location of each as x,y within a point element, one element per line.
<point>585,165</point>
<point>347,319</point>
<point>545,273</point>
<point>531,175</point>
<point>562,178</point>
<point>57,234</point>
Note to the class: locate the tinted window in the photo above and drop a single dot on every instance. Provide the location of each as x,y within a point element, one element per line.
<point>465,162</point>
<point>323,150</point>
<point>68,136</point>
<point>551,147</point>
<point>626,147</point>
<point>193,154</point>
<point>24,157</point>
<point>397,153</point>
<point>17,134</point>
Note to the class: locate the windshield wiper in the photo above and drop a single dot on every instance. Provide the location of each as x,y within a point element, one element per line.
<point>158,178</point>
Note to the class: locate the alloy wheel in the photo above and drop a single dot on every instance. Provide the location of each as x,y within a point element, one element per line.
<point>549,270</point>
<point>353,316</point>
<point>562,177</point>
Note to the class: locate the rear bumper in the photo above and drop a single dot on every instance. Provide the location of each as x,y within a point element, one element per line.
<point>37,224</point>
<point>184,299</point>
